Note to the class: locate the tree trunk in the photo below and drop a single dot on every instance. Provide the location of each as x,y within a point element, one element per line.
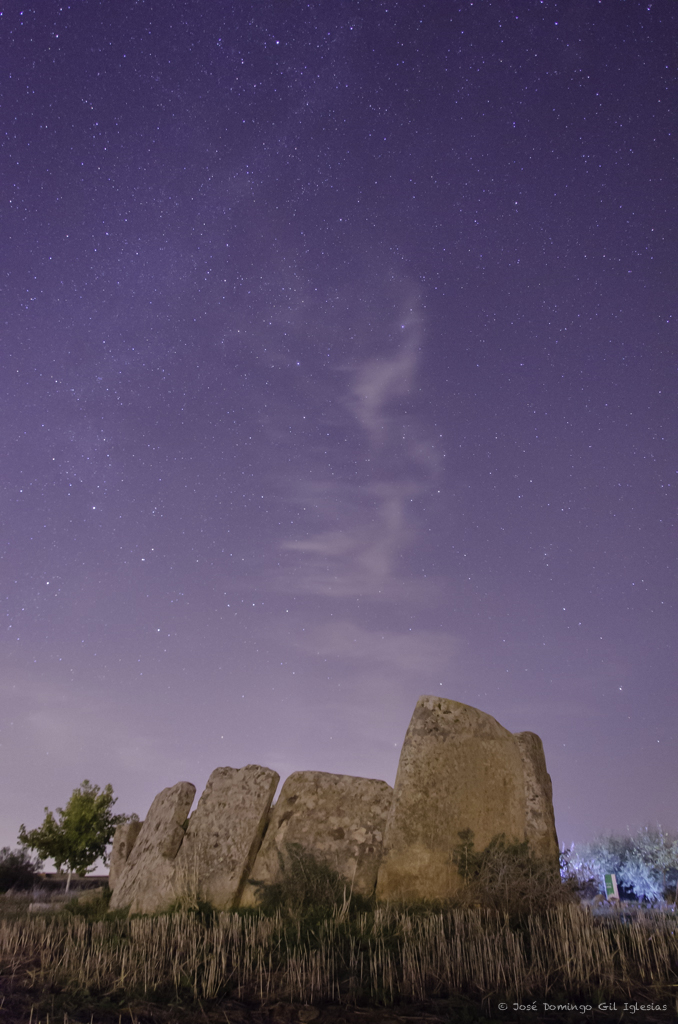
<point>68,880</point>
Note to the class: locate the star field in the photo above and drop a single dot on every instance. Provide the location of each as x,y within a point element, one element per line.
<point>338,366</point>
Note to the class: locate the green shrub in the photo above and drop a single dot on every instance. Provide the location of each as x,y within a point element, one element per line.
<point>93,906</point>
<point>17,870</point>
<point>508,877</point>
<point>306,886</point>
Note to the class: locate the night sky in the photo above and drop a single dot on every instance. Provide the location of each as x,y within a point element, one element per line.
<point>338,366</point>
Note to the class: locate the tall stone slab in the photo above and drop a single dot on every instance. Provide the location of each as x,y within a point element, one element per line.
<point>124,839</point>
<point>339,819</point>
<point>459,768</point>
<point>224,835</point>
<point>540,822</point>
<point>144,885</point>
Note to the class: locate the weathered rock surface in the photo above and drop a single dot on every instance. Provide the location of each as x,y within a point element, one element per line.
<point>224,835</point>
<point>124,839</point>
<point>459,768</point>
<point>339,819</point>
<point>540,822</point>
<point>144,882</point>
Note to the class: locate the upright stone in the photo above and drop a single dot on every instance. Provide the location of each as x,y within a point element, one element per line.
<point>144,885</point>
<point>224,835</point>
<point>540,822</point>
<point>338,819</point>
<point>458,769</point>
<point>124,839</point>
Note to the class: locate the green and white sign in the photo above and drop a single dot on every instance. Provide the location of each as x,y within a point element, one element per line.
<point>611,890</point>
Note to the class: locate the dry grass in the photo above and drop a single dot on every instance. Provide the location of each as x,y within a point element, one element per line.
<point>388,955</point>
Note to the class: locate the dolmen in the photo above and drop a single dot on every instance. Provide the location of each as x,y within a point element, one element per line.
<point>459,769</point>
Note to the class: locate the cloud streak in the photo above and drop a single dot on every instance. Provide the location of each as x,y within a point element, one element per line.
<point>419,652</point>
<point>381,381</point>
<point>373,521</point>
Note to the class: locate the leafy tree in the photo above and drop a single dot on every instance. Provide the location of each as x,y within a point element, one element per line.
<point>17,870</point>
<point>84,829</point>
<point>653,856</point>
<point>646,865</point>
<point>640,878</point>
<point>590,862</point>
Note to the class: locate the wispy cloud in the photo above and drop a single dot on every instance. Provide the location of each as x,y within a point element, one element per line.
<point>371,514</point>
<point>381,381</point>
<point>416,651</point>
<point>360,556</point>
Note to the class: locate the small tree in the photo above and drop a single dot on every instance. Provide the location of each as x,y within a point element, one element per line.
<point>84,829</point>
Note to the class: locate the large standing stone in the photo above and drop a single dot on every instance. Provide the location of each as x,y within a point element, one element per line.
<point>458,769</point>
<point>224,835</point>
<point>124,839</point>
<point>540,822</point>
<point>338,819</point>
<point>144,883</point>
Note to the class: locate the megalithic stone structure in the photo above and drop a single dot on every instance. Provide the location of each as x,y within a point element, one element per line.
<point>144,883</point>
<point>337,819</point>
<point>124,839</point>
<point>224,834</point>
<point>459,768</point>
<point>540,822</point>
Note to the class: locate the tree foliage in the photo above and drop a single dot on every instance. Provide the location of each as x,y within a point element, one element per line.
<point>646,864</point>
<point>82,833</point>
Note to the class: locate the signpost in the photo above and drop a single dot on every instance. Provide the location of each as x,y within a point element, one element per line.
<point>611,890</point>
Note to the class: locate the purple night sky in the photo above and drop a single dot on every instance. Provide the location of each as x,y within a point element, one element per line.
<point>338,367</point>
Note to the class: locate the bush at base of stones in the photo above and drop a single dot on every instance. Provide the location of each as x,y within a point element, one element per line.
<point>305,886</point>
<point>509,877</point>
<point>338,820</point>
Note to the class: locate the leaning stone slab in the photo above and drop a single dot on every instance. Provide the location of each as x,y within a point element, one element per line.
<point>459,768</point>
<point>124,839</point>
<point>540,822</point>
<point>224,835</point>
<point>144,882</point>
<point>339,819</point>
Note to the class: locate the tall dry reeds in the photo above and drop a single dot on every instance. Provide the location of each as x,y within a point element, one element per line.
<point>383,956</point>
